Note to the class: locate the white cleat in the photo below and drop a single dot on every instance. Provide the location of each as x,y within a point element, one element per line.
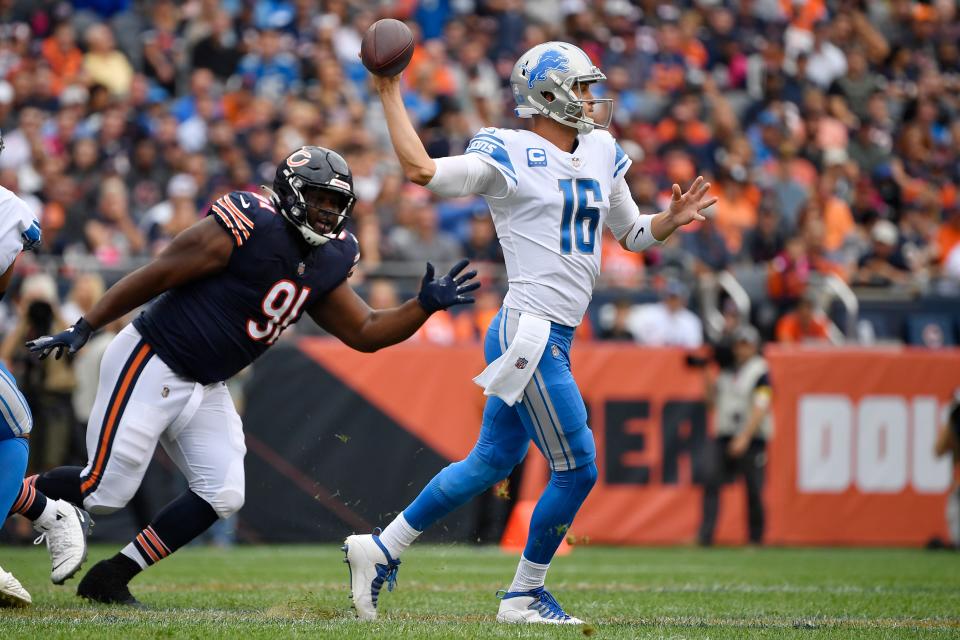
<point>533,607</point>
<point>370,566</point>
<point>66,536</point>
<point>12,593</point>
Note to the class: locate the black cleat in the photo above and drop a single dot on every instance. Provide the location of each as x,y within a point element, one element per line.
<point>106,582</point>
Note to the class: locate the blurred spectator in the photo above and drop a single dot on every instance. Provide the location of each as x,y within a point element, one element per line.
<point>219,51</point>
<point>104,64</point>
<point>61,52</point>
<point>420,239</point>
<point>702,240</point>
<point>164,221</point>
<point>87,289</point>
<point>885,263</point>
<point>805,324</point>
<point>481,244</point>
<point>741,400</point>
<point>111,233</point>
<point>273,71</point>
<point>162,46</point>
<point>668,323</point>
<point>767,240</point>
<point>618,328</point>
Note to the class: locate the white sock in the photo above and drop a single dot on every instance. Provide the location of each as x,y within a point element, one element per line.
<point>530,575</point>
<point>398,536</point>
<point>131,552</point>
<point>48,518</point>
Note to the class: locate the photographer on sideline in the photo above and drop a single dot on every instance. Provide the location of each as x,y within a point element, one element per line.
<point>741,399</point>
<point>48,384</point>
<point>948,442</point>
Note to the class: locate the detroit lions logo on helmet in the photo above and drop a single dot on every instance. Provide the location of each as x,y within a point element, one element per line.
<point>550,61</point>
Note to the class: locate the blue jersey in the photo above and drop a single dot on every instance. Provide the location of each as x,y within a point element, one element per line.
<point>210,329</point>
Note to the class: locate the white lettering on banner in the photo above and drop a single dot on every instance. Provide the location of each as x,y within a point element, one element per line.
<point>882,444</point>
<point>893,439</point>
<point>931,473</point>
<point>823,431</point>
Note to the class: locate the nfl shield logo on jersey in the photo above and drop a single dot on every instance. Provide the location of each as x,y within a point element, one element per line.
<point>301,268</point>
<point>520,363</point>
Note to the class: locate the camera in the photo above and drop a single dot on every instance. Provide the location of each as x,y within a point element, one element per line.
<point>697,361</point>
<point>39,317</point>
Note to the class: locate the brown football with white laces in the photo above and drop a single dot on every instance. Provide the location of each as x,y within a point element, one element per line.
<point>387,47</point>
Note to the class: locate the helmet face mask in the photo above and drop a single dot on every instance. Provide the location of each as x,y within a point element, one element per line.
<point>545,81</point>
<point>313,188</point>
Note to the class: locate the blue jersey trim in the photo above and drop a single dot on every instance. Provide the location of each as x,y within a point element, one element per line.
<point>502,159</point>
<point>620,161</point>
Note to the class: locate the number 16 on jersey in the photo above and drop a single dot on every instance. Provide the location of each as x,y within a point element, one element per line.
<point>580,220</point>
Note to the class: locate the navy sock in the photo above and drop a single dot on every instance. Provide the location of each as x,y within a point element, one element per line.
<point>30,503</point>
<point>177,524</point>
<point>61,483</point>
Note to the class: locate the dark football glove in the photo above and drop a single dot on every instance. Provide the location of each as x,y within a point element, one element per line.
<point>70,341</point>
<point>447,291</point>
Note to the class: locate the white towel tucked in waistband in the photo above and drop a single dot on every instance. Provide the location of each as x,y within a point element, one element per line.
<point>507,376</point>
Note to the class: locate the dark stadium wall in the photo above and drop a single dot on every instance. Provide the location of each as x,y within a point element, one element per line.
<point>323,461</point>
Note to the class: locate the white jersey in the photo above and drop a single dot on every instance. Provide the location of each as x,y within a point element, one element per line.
<point>19,228</point>
<point>549,220</point>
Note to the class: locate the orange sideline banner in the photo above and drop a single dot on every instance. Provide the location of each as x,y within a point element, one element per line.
<point>851,460</point>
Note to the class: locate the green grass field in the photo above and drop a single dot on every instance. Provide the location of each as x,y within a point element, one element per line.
<point>448,592</point>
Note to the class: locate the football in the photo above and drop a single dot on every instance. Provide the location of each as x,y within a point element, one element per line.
<point>387,47</point>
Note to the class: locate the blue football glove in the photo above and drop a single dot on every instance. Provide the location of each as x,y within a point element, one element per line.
<point>447,291</point>
<point>70,341</point>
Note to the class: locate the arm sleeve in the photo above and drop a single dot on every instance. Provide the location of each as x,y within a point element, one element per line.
<point>468,174</point>
<point>626,221</point>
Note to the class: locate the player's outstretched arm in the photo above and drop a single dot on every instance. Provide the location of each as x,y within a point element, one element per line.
<point>637,232</point>
<point>199,251</point>
<point>345,315</point>
<point>684,208</point>
<point>417,165</point>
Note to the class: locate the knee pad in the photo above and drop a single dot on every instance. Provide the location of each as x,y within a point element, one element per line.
<point>99,509</point>
<point>502,458</point>
<point>112,494</point>
<point>225,502</point>
<point>579,480</point>
<point>465,479</point>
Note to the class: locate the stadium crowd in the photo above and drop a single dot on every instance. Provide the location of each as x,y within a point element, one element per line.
<point>828,128</point>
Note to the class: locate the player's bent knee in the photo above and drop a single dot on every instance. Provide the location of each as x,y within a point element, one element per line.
<point>97,507</point>
<point>465,479</point>
<point>579,480</point>
<point>226,502</point>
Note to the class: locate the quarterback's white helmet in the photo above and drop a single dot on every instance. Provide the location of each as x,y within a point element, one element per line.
<point>544,82</point>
